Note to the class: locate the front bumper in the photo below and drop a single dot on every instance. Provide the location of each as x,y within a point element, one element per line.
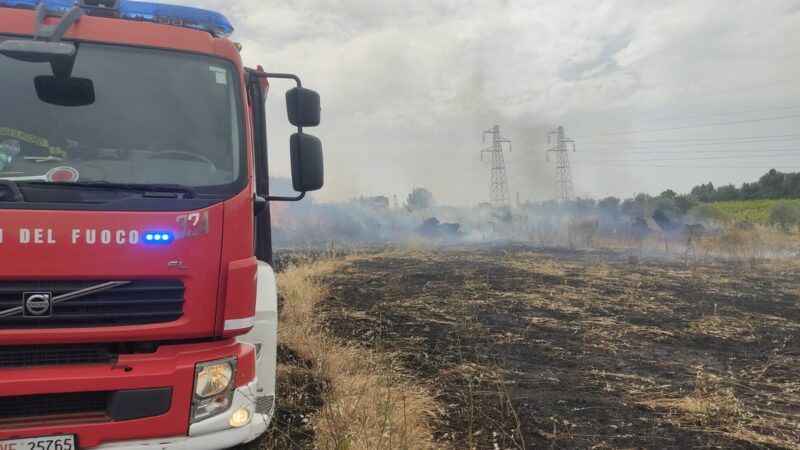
<point>211,434</point>
<point>171,366</point>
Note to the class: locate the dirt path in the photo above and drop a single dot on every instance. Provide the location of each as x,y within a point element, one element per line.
<point>530,348</point>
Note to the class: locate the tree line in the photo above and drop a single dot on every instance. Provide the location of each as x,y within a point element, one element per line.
<point>697,204</point>
<point>773,185</point>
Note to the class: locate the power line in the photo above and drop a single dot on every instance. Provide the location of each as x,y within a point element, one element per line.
<point>693,159</point>
<point>645,151</point>
<point>692,166</point>
<point>717,124</point>
<point>750,88</point>
<point>694,97</point>
<point>694,139</point>
<point>466,175</point>
<point>605,123</point>
<point>729,113</point>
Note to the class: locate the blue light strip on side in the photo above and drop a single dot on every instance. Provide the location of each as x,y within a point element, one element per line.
<point>183,16</point>
<point>158,237</point>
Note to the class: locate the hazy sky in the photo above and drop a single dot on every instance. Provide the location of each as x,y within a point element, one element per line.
<point>408,87</point>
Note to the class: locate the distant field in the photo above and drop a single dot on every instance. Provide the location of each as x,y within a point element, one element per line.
<point>755,211</point>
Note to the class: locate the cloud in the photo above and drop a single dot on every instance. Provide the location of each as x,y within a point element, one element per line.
<point>408,86</point>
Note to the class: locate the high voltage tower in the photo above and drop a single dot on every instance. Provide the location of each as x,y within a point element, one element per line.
<point>499,187</point>
<point>564,188</point>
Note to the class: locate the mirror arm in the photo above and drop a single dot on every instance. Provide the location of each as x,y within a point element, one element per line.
<point>257,75</point>
<point>54,33</point>
<point>287,199</point>
<point>62,67</point>
<point>288,76</point>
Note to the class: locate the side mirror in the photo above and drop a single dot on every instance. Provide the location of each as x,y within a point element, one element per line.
<point>308,173</point>
<point>303,107</point>
<point>65,91</point>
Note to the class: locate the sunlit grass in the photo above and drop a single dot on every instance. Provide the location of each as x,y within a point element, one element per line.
<point>754,211</point>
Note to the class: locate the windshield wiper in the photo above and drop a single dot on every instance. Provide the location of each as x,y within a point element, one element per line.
<point>142,188</point>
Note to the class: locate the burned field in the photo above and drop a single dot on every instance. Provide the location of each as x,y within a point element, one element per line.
<point>533,348</point>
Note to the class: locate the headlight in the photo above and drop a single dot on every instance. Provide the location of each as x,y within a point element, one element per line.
<point>213,388</point>
<point>212,378</point>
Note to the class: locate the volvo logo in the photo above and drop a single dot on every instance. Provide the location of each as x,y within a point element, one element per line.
<point>40,304</point>
<point>37,304</point>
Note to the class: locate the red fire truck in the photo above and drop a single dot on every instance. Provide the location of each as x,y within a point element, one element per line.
<point>138,306</point>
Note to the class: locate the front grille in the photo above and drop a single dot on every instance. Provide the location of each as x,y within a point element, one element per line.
<point>45,405</point>
<point>55,355</point>
<point>83,407</point>
<point>140,302</point>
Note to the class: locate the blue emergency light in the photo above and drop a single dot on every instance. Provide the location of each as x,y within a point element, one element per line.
<point>158,237</point>
<point>183,16</point>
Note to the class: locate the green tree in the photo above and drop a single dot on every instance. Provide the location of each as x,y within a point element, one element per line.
<point>750,191</point>
<point>791,185</point>
<point>665,205</point>
<point>580,207</point>
<point>609,207</point>
<point>637,206</point>
<point>419,199</point>
<point>770,184</point>
<point>784,216</point>
<point>685,202</point>
<point>705,192</point>
<point>727,193</point>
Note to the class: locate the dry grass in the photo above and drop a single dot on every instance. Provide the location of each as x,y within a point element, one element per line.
<point>712,402</point>
<point>755,243</point>
<point>714,406</point>
<point>654,242</point>
<point>413,244</point>
<point>366,403</point>
<point>724,327</point>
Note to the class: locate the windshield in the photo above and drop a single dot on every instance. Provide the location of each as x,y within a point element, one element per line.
<point>159,117</point>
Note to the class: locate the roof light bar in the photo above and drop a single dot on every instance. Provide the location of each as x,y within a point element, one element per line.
<point>182,16</point>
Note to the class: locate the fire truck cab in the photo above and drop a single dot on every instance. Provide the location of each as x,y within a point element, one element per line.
<point>138,305</point>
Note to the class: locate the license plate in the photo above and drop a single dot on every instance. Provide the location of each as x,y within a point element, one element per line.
<point>41,443</point>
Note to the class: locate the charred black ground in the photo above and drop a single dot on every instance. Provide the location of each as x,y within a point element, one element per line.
<point>548,348</point>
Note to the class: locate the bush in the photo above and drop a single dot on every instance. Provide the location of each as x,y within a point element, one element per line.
<point>685,202</point>
<point>784,215</point>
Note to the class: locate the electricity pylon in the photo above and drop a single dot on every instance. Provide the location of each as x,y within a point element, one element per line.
<point>498,191</point>
<point>564,188</point>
